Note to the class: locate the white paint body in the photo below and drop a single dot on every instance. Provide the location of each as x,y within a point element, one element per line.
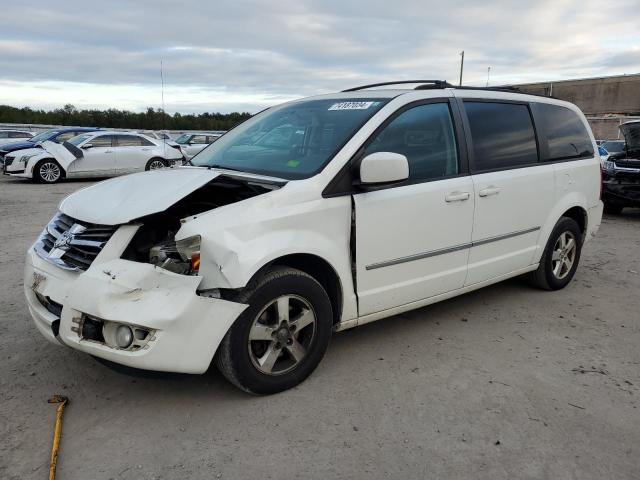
<point>445,216</point>
<point>97,161</point>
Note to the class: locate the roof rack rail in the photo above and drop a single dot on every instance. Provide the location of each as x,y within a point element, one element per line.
<point>425,84</point>
<point>491,89</point>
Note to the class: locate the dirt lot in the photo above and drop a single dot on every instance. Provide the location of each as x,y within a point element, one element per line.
<point>506,382</point>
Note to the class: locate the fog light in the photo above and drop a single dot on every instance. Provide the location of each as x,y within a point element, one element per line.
<point>124,336</point>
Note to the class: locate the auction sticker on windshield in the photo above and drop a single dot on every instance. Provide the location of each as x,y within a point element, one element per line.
<point>351,106</point>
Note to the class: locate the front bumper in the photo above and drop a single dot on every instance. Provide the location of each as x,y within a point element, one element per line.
<point>622,188</point>
<point>188,327</point>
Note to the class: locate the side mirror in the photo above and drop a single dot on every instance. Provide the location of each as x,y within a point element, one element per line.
<point>383,167</point>
<point>87,146</point>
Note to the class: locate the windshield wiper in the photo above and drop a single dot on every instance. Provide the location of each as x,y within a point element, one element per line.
<point>210,167</point>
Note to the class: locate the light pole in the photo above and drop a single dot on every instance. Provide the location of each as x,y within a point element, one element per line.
<point>461,65</point>
<point>488,74</point>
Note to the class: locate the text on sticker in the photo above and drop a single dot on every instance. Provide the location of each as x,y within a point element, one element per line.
<point>351,106</point>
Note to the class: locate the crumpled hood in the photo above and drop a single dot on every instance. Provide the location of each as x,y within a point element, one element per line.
<point>122,199</point>
<point>631,132</point>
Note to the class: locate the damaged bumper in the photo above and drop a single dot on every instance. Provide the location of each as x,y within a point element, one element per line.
<point>184,328</point>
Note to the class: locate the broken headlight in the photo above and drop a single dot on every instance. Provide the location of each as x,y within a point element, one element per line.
<point>181,256</point>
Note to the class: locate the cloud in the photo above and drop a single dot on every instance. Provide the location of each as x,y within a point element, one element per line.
<point>255,52</point>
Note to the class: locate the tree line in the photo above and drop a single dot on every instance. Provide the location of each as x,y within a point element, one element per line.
<point>113,118</point>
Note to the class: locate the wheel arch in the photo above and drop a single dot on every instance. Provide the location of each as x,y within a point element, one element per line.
<point>318,268</point>
<point>33,163</point>
<point>579,214</point>
<point>573,205</point>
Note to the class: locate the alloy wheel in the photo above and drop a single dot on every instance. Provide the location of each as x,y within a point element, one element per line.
<point>156,165</point>
<point>50,172</point>
<point>281,334</point>
<point>564,255</point>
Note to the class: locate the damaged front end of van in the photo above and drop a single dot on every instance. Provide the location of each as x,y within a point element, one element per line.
<point>119,272</point>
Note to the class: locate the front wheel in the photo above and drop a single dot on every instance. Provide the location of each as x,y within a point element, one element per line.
<point>560,258</point>
<point>156,164</point>
<point>47,171</point>
<point>281,337</point>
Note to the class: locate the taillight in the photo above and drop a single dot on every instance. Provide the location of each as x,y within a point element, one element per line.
<point>601,180</point>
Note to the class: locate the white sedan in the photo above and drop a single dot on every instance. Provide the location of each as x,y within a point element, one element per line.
<point>192,143</point>
<point>95,154</point>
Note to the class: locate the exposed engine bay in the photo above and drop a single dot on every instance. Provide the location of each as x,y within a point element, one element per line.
<point>155,243</point>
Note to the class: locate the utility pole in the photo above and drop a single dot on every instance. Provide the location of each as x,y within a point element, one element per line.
<point>461,65</point>
<point>488,73</point>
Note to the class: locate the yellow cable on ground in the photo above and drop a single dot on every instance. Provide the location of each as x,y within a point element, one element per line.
<point>62,401</point>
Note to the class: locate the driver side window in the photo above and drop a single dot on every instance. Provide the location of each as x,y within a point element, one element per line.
<point>425,135</point>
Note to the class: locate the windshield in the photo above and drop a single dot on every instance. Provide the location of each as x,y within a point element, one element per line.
<point>184,138</point>
<point>614,147</point>
<point>293,141</point>
<point>41,137</point>
<point>78,139</point>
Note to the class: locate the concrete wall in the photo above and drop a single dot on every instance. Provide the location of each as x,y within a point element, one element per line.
<point>595,96</point>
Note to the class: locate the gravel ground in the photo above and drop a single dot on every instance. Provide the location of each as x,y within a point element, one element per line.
<point>506,382</point>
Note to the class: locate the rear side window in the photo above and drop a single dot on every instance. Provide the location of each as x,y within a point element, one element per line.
<point>101,141</point>
<point>129,141</point>
<point>502,135</point>
<point>566,135</point>
<point>198,140</point>
<point>425,135</point>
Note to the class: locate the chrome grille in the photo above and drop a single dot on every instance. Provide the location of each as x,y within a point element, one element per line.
<point>72,244</point>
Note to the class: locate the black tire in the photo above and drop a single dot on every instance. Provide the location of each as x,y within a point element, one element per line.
<point>234,355</point>
<point>612,208</point>
<point>44,170</point>
<point>155,161</point>
<point>544,277</point>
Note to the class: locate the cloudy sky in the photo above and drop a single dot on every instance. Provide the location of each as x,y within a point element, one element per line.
<point>247,54</point>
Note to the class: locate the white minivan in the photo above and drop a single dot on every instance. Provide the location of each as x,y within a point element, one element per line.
<point>360,205</point>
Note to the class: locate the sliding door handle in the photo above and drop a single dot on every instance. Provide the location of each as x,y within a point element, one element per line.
<point>457,197</point>
<point>487,192</point>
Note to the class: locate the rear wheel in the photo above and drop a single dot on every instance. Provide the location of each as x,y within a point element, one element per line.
<point>156,164</point>
<point>561,256</point>
<point>281,337</point>
<point>47,171</point>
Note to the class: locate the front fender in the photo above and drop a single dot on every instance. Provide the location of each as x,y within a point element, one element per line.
<point>240,239</point>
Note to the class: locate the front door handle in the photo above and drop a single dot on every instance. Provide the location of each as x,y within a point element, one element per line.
<point>487,192</point>
<point>108,151</point>
<point>457,197</point>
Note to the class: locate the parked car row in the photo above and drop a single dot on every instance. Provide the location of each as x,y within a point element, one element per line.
<point>90,152</point>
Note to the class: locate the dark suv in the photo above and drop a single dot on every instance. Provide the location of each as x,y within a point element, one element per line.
<point>621,172</point>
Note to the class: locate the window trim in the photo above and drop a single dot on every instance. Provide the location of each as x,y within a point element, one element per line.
<point>467,127</point>
<point>343,182</point>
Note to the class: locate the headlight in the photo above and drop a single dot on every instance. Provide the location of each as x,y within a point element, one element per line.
<point>182,256</point>
<point>608,166</point>
<point>25,158</point>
